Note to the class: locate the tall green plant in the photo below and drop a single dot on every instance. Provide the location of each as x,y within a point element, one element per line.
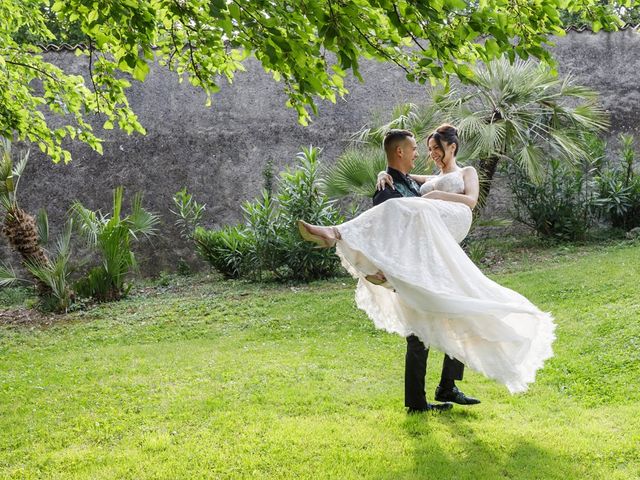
<point>268,243</point>
<point>300,197</point>
<point>263,230</point>
<point>188,211</point>
<point>112,236</point>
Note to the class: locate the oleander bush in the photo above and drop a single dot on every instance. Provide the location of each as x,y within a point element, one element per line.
<point>619,188</point>
<point>227,250</point>
<point>267,244</point>
<point>561,205</point>
<point>569,200</point>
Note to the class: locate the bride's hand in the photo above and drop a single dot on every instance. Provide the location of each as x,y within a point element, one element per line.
<point>383,180</point>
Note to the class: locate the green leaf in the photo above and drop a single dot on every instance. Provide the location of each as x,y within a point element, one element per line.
<point>234,10</point>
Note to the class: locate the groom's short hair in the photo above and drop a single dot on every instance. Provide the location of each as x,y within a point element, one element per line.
<point>393,137</point>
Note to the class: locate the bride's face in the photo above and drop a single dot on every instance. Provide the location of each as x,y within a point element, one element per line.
<point>441,157</point>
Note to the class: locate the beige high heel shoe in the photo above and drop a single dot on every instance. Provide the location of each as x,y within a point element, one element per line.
<point>325,237</point>
<point>376,278</point>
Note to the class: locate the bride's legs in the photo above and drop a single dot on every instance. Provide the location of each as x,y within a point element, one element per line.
<point>325,237</point>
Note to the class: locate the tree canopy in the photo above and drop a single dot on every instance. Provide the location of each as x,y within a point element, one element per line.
<point>307,45</point>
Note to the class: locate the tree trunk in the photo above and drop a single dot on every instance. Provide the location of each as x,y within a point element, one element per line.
<point>486,170</point>
<point>20,228</point>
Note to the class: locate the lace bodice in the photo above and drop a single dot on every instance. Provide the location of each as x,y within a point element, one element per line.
<point>449,182</point>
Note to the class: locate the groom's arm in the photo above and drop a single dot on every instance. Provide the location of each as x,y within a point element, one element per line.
<point>384,195</point>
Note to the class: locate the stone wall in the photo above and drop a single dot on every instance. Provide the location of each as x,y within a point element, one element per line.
<point>218,153</point>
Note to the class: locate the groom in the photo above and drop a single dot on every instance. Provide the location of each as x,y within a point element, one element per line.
<point>401,150</point>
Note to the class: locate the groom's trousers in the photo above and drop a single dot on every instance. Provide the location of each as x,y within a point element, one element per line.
<point>416,369</point>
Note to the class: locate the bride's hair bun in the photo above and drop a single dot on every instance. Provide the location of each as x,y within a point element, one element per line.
<point>446,133</point>
<point>447,129</point>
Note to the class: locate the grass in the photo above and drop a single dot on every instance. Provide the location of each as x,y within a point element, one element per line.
<point>233,380</point>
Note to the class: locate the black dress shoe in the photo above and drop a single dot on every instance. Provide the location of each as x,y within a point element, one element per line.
<point>456,396</point>
<point>432,407</point>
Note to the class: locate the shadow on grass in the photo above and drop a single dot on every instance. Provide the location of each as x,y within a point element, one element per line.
<point>463,455</point>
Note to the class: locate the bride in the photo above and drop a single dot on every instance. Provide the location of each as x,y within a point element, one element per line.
<point>416,281</point>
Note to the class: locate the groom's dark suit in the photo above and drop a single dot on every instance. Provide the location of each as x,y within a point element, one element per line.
<point>416,359</point>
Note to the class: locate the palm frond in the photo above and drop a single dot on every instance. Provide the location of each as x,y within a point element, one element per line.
<point>355,172</point>
<point>118,193</point>
<point>530,159</point>
<point>42,225</point>
<point>8,276</point>
<point>16,174</point>
<point>63,241</point>
<point>140,221</point>
<point>566,145</point>
<point>87,222</point>
<point>590,116</point>
<point>54,274</point>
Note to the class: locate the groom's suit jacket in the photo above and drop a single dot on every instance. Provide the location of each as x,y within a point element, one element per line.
<point>404,185</point>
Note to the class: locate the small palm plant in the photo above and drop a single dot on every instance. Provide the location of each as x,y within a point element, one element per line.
<point>54,273</point>
<point>112,236</point>
<point>19,226</point>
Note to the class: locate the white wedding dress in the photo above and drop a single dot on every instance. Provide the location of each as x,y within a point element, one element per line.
<point>435,291</point>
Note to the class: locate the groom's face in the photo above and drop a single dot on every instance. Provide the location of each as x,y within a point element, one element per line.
<point>409,152</point>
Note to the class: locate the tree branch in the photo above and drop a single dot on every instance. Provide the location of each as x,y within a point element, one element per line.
<point>95,89</point>
<point>379,49</point>
<point>32,67</point>
<point>415,40</point>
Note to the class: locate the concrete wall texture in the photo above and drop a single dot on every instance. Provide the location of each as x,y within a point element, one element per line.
<point>218,153</point>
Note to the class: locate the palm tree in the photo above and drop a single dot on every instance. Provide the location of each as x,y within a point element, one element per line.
<point>518,113</point>
<point>521,113</point>
<point>19,226</point>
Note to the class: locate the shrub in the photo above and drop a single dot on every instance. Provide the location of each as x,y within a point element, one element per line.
<point>227,250</point>
<point>268,243</point>
<point>265,233</point>
<point>561,205</point>
<point>188,211</point>
<point>619,189</point>
<point>300,198</point>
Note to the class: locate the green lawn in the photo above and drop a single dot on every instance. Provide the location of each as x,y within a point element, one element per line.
<point>232,380</point>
